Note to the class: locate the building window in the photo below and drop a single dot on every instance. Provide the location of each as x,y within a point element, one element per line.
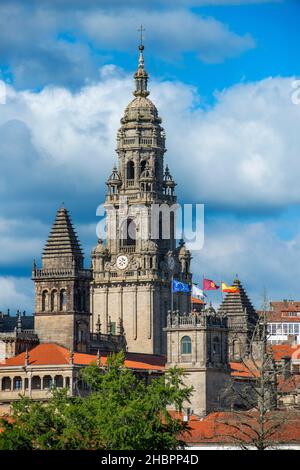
<point>17,383</point>
<point>186,345</point>
<point>59,381</point>
<point>128,233</point>
<point>296,328</point>
<point>216,345</point>
<point>47,382</point>
<point>44,301</point>
<point>53,300</point>
<point>36,383</point>
<point>130,170</point>
<point>63,300</point>
<point>6,384</point>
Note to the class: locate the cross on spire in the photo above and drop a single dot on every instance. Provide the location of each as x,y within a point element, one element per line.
<point>141,30</point>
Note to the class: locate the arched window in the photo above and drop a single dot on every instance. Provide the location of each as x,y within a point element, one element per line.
<point>236,349</point>
<point>130,170</point>
<point>59,381</point>
<point>6,384</point>
<point>143,166</point>
<point>186,345</point>
<point>53,300</point>
<point>47,382</point>
<point>216,345</point>
<point>17,383</point>
<point>63,300</point>
<point>44,301</point>
<point>36,382</point>
<point>128,233</point>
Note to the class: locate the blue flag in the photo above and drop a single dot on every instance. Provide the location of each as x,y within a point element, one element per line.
<point>178,286</point>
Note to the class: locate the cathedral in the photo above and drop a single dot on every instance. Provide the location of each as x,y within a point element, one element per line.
<point>124,301</point>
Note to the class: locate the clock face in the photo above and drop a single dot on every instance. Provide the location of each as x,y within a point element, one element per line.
<point>122,262</point>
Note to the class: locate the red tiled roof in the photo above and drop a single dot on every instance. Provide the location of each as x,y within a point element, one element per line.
<point>285,350</point>
<point>53,354</point>
<point>288,385</point>
<point>221,428</point>
<point>279,311</point>
<point>239,369</point>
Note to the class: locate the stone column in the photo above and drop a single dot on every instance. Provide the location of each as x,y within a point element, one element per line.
<point>135,312</point>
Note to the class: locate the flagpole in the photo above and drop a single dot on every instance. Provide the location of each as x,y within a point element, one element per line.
<point>172,294</point>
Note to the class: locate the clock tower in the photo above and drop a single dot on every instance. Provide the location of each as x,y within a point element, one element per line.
<point>134,268</point>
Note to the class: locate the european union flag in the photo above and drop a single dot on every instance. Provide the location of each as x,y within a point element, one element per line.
<point>178,286</point>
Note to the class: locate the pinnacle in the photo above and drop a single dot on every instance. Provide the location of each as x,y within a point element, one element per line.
<point>62,240</point>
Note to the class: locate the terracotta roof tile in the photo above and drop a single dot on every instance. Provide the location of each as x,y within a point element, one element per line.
<point>285,350</point>
<point>221,428</point>
<point>53,354</point>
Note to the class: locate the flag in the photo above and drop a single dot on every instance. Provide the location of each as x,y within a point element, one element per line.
<point>198,293</point>
<point>178,286</point>
<point>208,284</point>
<point>232,289</point>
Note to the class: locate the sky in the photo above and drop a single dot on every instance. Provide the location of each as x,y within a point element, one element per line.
<point>224,77</point>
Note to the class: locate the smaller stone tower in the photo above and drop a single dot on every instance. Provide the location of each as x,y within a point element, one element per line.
<point>62,306</point>
<point>242,319</point>
<point>197,343</point>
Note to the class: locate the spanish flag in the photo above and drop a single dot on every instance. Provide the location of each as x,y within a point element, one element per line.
<point>232,289</point>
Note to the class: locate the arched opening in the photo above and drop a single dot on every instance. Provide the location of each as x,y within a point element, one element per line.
<point>186,345</point>
<point>236,349</point>
<point>216,345</point>
<point>130,170</point>
<point>58,381</point>
<point>17,383</point>
<point>63,300</point>
<point>36,382</point>
<point>44,301</point>
<point>6,384</point>
<point>143,166</point>
<point>53,300</point>
<point>47,382</point>
<point>128,233</point>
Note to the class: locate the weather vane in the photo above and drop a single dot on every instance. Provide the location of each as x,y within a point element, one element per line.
<point>141,30</point>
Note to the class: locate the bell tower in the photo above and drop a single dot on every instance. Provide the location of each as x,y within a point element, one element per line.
<point>62,286</point>
<point>132,271</point>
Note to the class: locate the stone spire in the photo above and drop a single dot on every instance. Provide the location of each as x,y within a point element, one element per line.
<point>141,76</point>
<point>242,319</point>
<point>62,242</point>
<point>238,304</point>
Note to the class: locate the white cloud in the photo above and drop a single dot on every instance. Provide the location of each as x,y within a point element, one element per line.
<point>241,153</point>
<point>43,43</point>
<point>211,40</point>
<point>16,293</point>
<point>255,252</point>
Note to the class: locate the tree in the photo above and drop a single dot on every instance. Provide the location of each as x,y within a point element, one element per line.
<point>121,412</point>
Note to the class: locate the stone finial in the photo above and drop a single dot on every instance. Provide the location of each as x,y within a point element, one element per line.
<point>19,322</point>
<point>26,357</point>
<point>98,360</point>
<point>120,326</point>
<point>71,356</point>
<point>98,325</point>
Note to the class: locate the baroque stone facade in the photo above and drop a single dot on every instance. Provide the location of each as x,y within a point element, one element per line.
<point>132,272</point>
<point>198,343</point>
<point>62,286</point>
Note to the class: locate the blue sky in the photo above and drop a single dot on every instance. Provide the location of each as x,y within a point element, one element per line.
<point>222,74</point>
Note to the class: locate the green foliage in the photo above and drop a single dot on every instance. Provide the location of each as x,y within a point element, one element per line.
<point>120,413</point>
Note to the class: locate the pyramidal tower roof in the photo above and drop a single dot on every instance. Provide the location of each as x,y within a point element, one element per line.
<point>237,304</point>
<point>62,241</point>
